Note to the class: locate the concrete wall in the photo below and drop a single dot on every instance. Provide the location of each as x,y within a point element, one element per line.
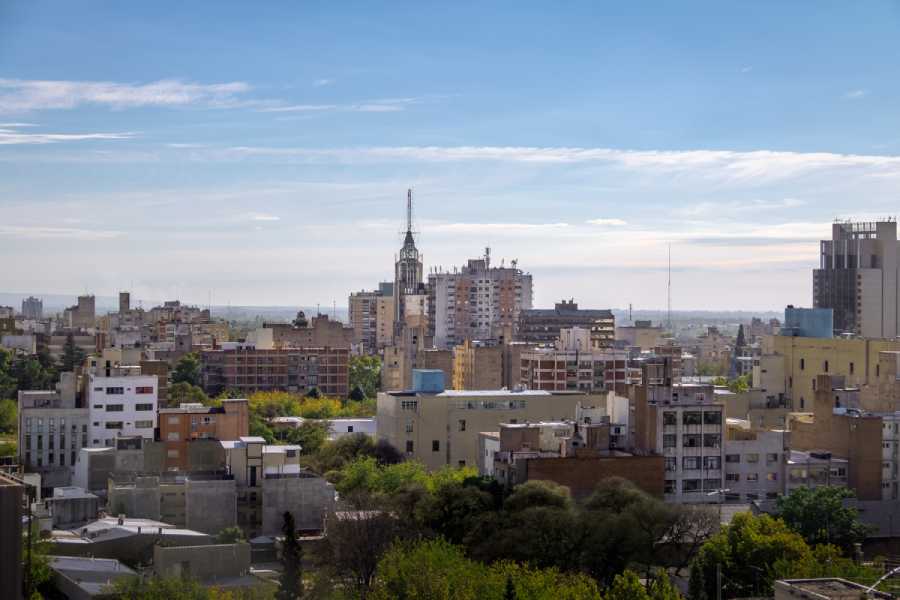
<point>71,512</point>
<point>205,563</point>
<point>140,500</point>
<point>307,498</point>
<point>210,506</point>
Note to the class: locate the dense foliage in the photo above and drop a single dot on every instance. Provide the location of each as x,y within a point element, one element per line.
<point>819,515</point>
<point>365,374</point>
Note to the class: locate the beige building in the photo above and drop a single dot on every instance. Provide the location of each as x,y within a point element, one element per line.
<point>642,334</point>
<point>477,367</point>
<point>320,332</point>
<point>384,320</point>
<point>372,317</point>
<point>441,429</point>
<point>796,361</point>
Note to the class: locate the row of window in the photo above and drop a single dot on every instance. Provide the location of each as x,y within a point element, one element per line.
<point>751,458</point>
<point>692,485</point>
<point>148,424</point>
<point>735,477</point>
<point>140,407</point>
<point>692,440</point>
<point>119,391</point>
<point>693,418</point>
<point>693,463</point>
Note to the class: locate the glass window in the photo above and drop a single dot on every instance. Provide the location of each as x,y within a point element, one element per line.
<point>772,457</point>
<point>711,440</point>
<point>174,420</point>
<point>114,425</point>
<point>461,425</point>
<point>118,391</point>
<point>691,440</point>
<point>671,463</point>
<point>691,418</point>
<point>115,407</point>
<point>670,418</point>
<point>143,390</point>
<point>143,407</point>
<point>732,477</point>
<point>753,457</point>
<point>435,445</point>
<point>409,446</point>
<point>732,458</point>
<point>143,424</point>
<point>690,463</point>
<point>772,476</point>
<point>669,440</point>
<point>669,486</point>
<point>712,418</point>
<point>712,462</point>
<point>752,477</point>
<point>690,485</point>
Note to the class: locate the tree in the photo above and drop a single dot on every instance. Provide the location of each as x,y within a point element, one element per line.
<point>365,373</point>
<point>230,535</point>
<point>627,586</point>
<point>451,511</point>
<point>187,393</point>
<point>510,593</point>
<point>357,394</point>
<point>819,515</point>
<point>291,558</point>
<point>538,493</point>
<point>314,393</point>
<point>661,588</point>
<point>310,435</point>
<point>8,416</point>
<point>187,370</point>
<point>72,355</point>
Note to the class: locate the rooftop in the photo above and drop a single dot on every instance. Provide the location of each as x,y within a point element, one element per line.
<point>491,393</point>
<point>831,588</point>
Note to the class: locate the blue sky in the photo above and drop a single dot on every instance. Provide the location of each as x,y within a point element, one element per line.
<point>261,151</point>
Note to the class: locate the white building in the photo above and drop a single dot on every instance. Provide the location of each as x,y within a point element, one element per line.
<point>755,461</point>
<point>121,404</point>
<point>689,432</point>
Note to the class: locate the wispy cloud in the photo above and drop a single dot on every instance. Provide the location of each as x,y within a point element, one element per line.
<point>856,94</point>
<point>732,208</point>
<point>607,222</point>
<point>9,136</point>
<point>380,105</point>
<point>20,95</point>
<point>42,232</point>
<point>746,69</point>
<point>256,216</point>
<point>322,82</point>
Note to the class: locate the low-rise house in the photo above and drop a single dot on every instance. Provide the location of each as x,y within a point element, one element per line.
<point>83,578</point>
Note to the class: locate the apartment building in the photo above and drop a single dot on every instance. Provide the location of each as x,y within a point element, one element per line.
<point>33,308</point>
<point>53,427</point>
<point>363,311</point>
<point>756,462</point>
<point>247,369</point>
<point>179,427</point>
<point>640,334</point>
<point>815,469</point>
<point>477,367</point>
<point>808,322</point>
<point>857,278</point>
<point>319,332</point>
<point>81,316</point>
<point>477,302</point>
<point>122,402</point>
<point>543,326</point>
<point>554,369</point>
<point>441,427</point>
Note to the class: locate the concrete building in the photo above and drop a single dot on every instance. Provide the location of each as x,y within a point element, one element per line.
<point>857,278</point>
<point>642,334</point>
<point>12,499</point>
<point>124,302</point>
<point>223,565</point>
<point>70,507</point>
<point>570,367</point>
<point>830,588</point>
<point>179,427</point>
<point>122,402</point>
<point>84,578</point>
<point>543,326</point>
<point>81,316</point>
<point>814,469</point>
<point>270,481</point>
<point>248,369</point>
<point>33,308</point>
<point>808,322</point>
<point>337,428</point>
<point>477,367</point>
<point>319,332</point>
<point>53,427</point>
<point>755,462</point>
<point>384,316</point>
<point>370,318</point>
<point>409,284</point>
<point>477,302</point>
<point>441,428</point>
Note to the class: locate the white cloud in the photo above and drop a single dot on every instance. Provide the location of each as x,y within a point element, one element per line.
<point>607,222</point>
<point>746,69</point>
<point>255,216</point>
<point>322,82</point>
<point>733,208</point>
<point>19,95</point>
<point>381,105</point>
<point>9,136</point>
<point>42,232</point>
<point>856,94</point>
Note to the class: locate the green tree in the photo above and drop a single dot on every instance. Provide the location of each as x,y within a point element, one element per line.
<point>510,593</point>
<point>819,515</point>
<point>627,586</point>
<point>230,535</point>
<point>538,493</point>
<point>291,581</point>
<point>187,393</point>
<point>365,373</point>
<point>8,416</point>
<point>314,393</point>
<point>661,588</point>
<point>8,385</point>
<point>310,435</point>
<point>72,355</point>
<point>357,394</point>
<point>39,576</point>
<point>187,370</point>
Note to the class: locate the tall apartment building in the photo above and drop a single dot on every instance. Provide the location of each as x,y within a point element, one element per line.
<point>477,367</point>
<point>440,427</point>
<point>247,369</point>
<point>367,311</point>
<point>543,326</point>
<point>124,302</point>
<point>33,308</point>
<point>858,276</point>
<point>122,403</point>
<point>82,315</point>
<point>477,302</point>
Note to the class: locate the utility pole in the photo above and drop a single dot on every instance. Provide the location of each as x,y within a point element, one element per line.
<point>718,581</point>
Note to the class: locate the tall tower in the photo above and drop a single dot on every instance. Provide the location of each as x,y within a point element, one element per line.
<point>408,268</point>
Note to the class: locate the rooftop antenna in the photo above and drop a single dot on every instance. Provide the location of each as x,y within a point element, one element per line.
<point>630,317</point>
<point>669,292</point>
<point>409,210</point>
<point>334,310</point>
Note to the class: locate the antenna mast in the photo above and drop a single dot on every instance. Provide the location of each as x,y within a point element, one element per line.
<point>669,292</point>
<point>409,209</point>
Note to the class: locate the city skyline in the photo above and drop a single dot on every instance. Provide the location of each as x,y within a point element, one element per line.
<point>269,165</point>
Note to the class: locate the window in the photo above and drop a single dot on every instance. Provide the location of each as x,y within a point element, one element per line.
<point>851,368</point>
<point>409,426</point>
<point>208,420</point>
<point>711,440</point>
<point>712,463</point>
<point>772,457</point>
<point>115,407</point>
<point>691,418</point>
<point>690,463</point>
<point>712,418</point>
<point>670,418</point>
<point>98,406</point>
<point>669,440</point>
<point>143,407</point>
<point>409,446</point>
<point>732,458</point>
<point>98,389</point>
<point>802,364</point>
<point>826,366</point>
<point>290,453</point>
<point>113,424</point>
<point>461,462</point>
<point>772,476</point>
<point>732,477</point>
<point>690,485</point>
<point>671,463</point>
<point>116,391</point>
<point>143,389</point>
<point>409,404</point>
<point>691,440</point>
<point>174,420</point>
<point>752,458</point>
<point>172,453</point>
<point>143,424</point>
<point>349,428</point>
<point>435,445</point>
<point>461,425</point>
<point>752,477</point>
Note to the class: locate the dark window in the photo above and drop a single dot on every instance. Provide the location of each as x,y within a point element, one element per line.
<point>409,446</point>
<point>143,407</point>
<point>435,445</point>
<point>712,418</point>
<point>802,364</point>
<point>114,424</point>
<point>826,366</point>
<point>115,407</point>
<point>118,391</point>
<point>143,390</point>
<point>851,368</point>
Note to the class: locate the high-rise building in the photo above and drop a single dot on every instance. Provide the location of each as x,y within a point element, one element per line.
<point>32,308</point>
<point>407,271</point>
<point>476,302</point>
<point>857,278</point>
<point>124,302</point>
<point>542,325</point>
<point>372,317</point>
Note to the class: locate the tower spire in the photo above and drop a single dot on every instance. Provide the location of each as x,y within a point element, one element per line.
<point>409,210</point>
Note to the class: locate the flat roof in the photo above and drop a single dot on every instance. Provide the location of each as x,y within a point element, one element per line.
<point>489,393</point>
<point>252,439</point>
<point>831,587</point>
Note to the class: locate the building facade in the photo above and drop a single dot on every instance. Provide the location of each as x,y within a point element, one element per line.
<point>179,427</point>
<point>123,403</point>
<point>543,326</point>
<point>33,308</point>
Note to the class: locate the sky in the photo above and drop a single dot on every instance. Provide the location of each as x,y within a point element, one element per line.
<point>260,153</point>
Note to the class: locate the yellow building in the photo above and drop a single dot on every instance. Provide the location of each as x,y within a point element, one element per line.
<point>802,358</point>
<point>477,367</point>
<point>441,428</point>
